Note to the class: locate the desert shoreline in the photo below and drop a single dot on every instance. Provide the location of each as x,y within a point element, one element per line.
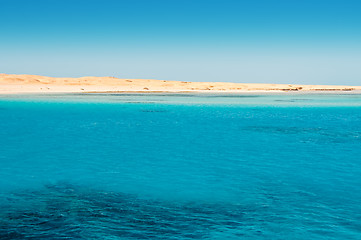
<point>34,84</point>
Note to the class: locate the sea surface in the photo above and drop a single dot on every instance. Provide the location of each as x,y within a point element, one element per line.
<point>181,166</point>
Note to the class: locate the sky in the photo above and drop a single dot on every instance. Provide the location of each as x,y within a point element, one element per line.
<point>250,41</point>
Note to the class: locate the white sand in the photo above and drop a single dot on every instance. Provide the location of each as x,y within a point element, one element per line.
<point>11,83</point>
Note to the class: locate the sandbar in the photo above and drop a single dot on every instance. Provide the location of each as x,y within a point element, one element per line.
<point>18,84</point>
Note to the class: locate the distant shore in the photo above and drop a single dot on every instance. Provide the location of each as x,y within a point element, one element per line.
<point>17,84</point>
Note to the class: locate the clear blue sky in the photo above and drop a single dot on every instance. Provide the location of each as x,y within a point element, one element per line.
<point>279,41</point>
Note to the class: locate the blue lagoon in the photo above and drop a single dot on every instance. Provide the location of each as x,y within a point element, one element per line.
<point>180,166</point>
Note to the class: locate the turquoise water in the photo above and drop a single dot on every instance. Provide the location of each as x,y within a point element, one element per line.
<point>128,166</point>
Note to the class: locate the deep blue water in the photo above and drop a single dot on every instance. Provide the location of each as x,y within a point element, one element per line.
<point>123,166</point>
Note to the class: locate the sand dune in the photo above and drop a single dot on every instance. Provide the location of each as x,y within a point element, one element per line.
<point>11,83</point>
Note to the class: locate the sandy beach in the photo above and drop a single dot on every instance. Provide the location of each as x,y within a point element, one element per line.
<point>12,84</point>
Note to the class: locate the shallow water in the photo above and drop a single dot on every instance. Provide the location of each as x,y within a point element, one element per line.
<point>162,166</point>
